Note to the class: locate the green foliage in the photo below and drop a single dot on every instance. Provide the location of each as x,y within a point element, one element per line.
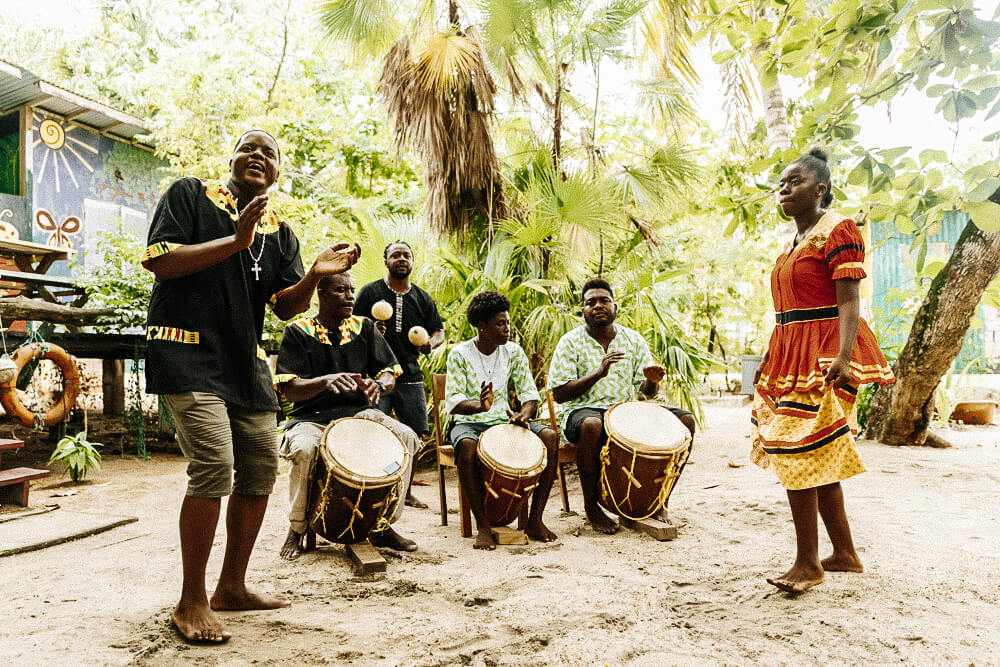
<point>118,281</point>
<point>78,455</point>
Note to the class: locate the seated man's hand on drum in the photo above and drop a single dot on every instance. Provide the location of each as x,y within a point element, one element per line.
<point>340,383</point>
<point>486,396</point>
<point>654,373</point>
<point>370,388</point>
<point>519,418</point>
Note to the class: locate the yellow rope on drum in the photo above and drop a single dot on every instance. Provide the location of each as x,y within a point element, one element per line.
<point>355,512</point>
<point>382,523</point>
<point>667,481</point>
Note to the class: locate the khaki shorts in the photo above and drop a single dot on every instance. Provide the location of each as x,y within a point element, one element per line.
<point>219,440</point>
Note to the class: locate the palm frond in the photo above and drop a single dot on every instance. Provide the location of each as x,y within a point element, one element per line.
<point>668,99</point>
<point>604,33</point>
<point>742,94</point>
<point>369,25</point>
<point>669,35</point>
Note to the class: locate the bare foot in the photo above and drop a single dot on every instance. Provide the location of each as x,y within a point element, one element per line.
<point>843,563</point>
<point>798,579</point>
<point>600,521</point>
<point>661,515</point>
<point>413,501</point>
<point>244,601</point>
<point>197,624</point>
<point>393,540</point>
<point>294,545</point>
<point>484,540</point>
<point>538,531</point>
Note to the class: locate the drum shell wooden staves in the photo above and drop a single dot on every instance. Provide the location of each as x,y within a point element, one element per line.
<point>511,481</point>
<point>638,491</point>
<point>335,492</point>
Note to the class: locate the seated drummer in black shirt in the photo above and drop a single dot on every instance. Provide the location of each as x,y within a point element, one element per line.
<point>318,365</point>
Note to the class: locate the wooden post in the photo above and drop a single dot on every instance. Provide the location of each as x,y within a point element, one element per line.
<point>113,387</point>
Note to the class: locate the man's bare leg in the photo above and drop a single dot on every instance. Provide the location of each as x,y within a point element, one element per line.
<point>831,507</point>
<point>243,518</point>
<point>472,484</point>
<point>588,455</point>
<point>411,500</point>
<point>536,529</point>
<point>807,571</point>
<point>193,616</point>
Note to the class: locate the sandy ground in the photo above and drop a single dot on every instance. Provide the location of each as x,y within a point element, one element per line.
<point>925,521</point>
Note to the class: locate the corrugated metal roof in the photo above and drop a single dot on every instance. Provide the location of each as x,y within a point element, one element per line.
<point>18,87</point>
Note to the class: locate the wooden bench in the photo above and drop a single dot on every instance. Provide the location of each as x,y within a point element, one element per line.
<point>37,285</point>
<point>14,483</point>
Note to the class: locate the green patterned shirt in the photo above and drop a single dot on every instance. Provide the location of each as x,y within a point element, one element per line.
<point>577,355</point>
<point>468,368</point>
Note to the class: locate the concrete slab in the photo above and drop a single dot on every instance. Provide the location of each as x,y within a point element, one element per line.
<point>38,531</point>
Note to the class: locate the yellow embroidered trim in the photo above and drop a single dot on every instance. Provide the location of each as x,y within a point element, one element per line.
<point>173,334</point>
<point>273,301</point>
<point>282,378</point>
<point>261,354</point>
<point>350,328</point>
<point>396,371</point>
<point>850,265</point>
<point>224,200</point>
<point>156,250</point>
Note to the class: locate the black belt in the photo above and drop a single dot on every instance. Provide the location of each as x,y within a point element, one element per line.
<point>809,315</point>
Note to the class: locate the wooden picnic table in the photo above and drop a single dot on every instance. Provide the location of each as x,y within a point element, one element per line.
<point>33,257</point>
<point>33,261</point>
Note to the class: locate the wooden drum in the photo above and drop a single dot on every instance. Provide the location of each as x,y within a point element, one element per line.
<point>511,458</point>
<point>646,450</point>
<point>354,487</point>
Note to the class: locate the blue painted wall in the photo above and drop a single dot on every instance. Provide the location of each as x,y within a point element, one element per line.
<point>893,274</point>
<point>84,183</point>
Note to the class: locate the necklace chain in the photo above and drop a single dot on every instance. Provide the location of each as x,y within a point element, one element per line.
<point>482,361</point>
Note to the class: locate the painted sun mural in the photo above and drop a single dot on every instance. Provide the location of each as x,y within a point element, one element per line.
<point>62,147</point>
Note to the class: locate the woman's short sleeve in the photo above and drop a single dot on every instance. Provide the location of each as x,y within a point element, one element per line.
<point>845,252</point>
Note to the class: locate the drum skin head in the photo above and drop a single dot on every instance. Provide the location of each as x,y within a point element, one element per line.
<point>364,450</point>
<point>506,447</point>
<point>645,427</point>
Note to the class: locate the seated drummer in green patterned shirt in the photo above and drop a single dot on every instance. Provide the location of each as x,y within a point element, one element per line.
<point>476,394</point>
<point>594,367</point>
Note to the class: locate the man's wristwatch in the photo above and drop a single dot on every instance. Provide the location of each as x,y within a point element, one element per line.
<point>381,387</point>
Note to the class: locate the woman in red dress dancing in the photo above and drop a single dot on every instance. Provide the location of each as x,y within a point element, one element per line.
<point>804,416</point>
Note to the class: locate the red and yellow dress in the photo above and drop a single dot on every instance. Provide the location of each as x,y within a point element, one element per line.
<point>801,428</point>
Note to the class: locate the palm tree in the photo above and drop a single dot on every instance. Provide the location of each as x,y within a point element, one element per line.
<point>441,99</point>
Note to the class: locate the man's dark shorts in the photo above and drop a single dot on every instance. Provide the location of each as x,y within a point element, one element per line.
<point>575,420</point>
<point>410,403</point>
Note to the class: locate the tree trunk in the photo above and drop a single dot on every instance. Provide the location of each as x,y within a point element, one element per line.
<point>900,413</point>
<point>23,308</point>
<point>557,120</point>
<point>775,116</point>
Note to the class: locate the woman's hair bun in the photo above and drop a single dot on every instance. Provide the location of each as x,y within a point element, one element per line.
<point>820,153</point>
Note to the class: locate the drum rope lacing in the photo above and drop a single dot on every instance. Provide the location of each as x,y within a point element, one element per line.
<point>666,486</point>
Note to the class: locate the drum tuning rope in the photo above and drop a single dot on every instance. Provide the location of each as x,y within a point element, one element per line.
<point>354,512</point>
<point>382,523</point>
<point>667,481</point>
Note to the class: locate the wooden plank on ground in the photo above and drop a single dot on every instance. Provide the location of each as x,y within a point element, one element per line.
<point>366,558</point>
<point>656,529</point>
<point>508,535</point>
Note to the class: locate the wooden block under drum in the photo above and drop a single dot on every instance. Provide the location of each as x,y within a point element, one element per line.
<point>366,558</point>
<point>652,527</point>
<point>508,535</point>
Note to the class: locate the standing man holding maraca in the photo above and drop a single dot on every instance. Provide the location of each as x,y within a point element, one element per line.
<point>408,318</point>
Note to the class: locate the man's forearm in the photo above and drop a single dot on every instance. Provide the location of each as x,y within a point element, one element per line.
<point>575,388</point>
<point>297,298</point>
<point>187,260</point>
<point>301,389</point>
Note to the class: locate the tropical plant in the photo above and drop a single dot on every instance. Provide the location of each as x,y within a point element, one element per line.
<point>78,455</point>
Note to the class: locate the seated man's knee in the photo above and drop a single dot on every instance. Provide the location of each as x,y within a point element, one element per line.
<point>591,427</point>
<point>466,451</point>
<point>550,439</point>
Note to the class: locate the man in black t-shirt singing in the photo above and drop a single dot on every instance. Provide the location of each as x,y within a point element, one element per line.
<point>411,307</point>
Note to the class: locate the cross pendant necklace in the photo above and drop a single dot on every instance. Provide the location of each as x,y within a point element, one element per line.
<point>256,260</point>
<point>256,271</point>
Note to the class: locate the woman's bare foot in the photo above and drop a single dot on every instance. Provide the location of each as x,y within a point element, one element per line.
<point>197,624</point>
<point>539,532</point>
<point>600,521</point>
<point>798,579</point>
<point>413,501</point>
<point>294,545</point>
<point>244,600</point>
<point>484,540</point>
<point>843,563</point>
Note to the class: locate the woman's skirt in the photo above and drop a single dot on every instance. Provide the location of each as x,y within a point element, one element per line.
<point>807,438</point>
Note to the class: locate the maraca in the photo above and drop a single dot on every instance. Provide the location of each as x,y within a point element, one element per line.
<point>418,336</point>
<point>381,310</point>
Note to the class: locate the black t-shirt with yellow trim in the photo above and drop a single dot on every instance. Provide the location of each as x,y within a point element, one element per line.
<point>309,350</point>
<point>204,330</point>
